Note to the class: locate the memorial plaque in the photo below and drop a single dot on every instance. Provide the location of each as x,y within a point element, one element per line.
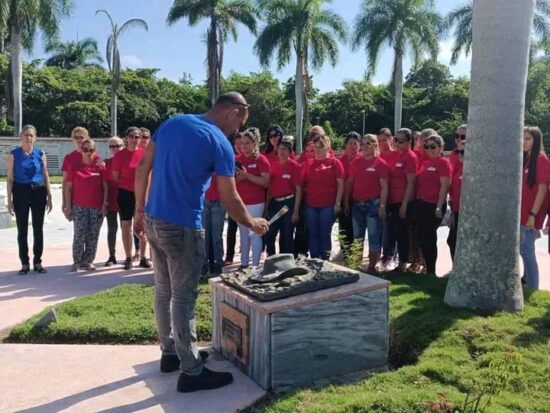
<point>234,337</point>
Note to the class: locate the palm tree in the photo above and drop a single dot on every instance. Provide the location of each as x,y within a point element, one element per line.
<point>74,54</point>
<point>224,16</point>
<point>461,19</point>
<point>404,25</point>
<point>305,29</point>
<point>486,271</point>
<point>23,18</point>
<point>113,59</point>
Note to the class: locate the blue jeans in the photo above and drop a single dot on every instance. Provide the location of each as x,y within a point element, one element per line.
<point>365,217</point>
<point>283,224</point>
<point>319,224</point>
<point>529,257</point>
<point>178,256</point>
<point>250,240</point>
<point>213,218</point>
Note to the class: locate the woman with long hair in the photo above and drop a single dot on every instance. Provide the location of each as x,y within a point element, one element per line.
<point>28,189</point>
<point>434,178</point>
<point>534,202</point>
<point>273,138</point>
<point>252,181</point>
<point>367,193</point>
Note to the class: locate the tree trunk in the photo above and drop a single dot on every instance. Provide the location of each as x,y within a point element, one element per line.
<point>2,41</point>
<point>299,91</point>
<point>398,82</point>
<point>17,78</point>
<point>212,61</point>
<point>486,271</point>
<point>114,114</point>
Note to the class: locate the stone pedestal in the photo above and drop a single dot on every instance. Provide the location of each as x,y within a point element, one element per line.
<point>304,340</point>
<point>5,217</point>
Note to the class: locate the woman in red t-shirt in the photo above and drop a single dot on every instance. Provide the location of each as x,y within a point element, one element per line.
<point>433,182</point>
<point>252,180</point>
<point>367,193</point>
<point>231,235</point>
<point>455,189</point>
<point>534,200</point>
<point>284,190</point>
<point>86,203</point>
<point>115,145</point>
<point>274,136</point>
<point>351,152</point>
<point>323,185</point>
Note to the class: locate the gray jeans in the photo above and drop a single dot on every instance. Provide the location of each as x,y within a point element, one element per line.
<point>178,257</point>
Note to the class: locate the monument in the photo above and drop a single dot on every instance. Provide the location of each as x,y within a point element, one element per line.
<point>301,323</point>
<point>5,217</point>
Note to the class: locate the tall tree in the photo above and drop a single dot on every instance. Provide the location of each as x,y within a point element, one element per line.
<point>461,19</point>
<point>486,270</point>
<point>23,18</point>
<point>308,30</point>
<point>113,59</point>
<point>224,15</point>
<point>74,54</point>
<point>403,25</point>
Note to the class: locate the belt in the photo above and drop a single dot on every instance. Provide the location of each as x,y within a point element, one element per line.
<point>32,185</point>
<point>365,201</point>
<point>284,198</point>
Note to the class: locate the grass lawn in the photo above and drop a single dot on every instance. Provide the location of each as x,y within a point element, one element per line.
<point>433,348</point>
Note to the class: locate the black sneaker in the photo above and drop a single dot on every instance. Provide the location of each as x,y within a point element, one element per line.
<point>171,362</point>
<point>208,379</point>
<point>144,263</point>
<point>128,263</point>
<point>111,261</point>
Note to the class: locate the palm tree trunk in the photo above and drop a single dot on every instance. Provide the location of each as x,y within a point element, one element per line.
<point>114,110</point>
<point>2,41</point>
<point>486,271</point>
<point>212,61</point>
<point>398,82</point>
<point>17,78</point>
<point>299,91</point>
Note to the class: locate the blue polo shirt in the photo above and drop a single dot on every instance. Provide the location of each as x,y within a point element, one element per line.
<point>188,150</point>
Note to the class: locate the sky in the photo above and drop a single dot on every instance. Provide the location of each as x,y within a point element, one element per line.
<point>179,49</point>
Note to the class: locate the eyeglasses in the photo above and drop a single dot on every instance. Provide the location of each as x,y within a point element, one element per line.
<point>88,150</point>
<point>434,146</point>
<point>114,146</point>
<point>460,136</point>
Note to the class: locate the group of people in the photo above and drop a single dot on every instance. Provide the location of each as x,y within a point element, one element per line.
<point>92,189</point>
<point>178,185</point>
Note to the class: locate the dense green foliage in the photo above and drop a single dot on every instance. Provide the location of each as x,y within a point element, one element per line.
<point>55,100</point>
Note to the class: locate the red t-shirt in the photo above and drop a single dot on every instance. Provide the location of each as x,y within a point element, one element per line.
<point>390,157</point>
<point>87,183</point>
<point>126,162</point>
<point>528,195</point>
<point>284,178</point>
<point>366,175</point>
<point>251,193</point>
<point>456,185</point>
<point>453,157</point>
<point>428,180</point>
<point>422,157</point>
<point>346,162</point>
<point>405,163</point>
<point>113,187</point>
<point>319,180</point>
<point>72,158</point>
<point>212,193</point>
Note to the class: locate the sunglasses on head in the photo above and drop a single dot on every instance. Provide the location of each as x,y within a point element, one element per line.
<point>432,146</point>
<point>114,146</point>
<point>460,136</point>
<point>88,150</point>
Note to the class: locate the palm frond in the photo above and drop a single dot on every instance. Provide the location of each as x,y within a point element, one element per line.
<point>193,10</point>
<point>133,23</point>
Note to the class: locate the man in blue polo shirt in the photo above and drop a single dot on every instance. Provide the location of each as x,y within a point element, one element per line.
<point>185,151</point>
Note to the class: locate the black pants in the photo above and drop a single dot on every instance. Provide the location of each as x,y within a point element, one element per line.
<point>112,228</point>
<point>399,230</point>
<point>451,239</point>
<point>283,225</point>
<point>345,224</point>
<point>427,232</point>
<point>301,240</point>
<point>33,198</point>
<point>231,238</point>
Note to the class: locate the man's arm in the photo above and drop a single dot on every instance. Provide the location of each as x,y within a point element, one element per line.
<point>141,183</point>
<point>235,207</point>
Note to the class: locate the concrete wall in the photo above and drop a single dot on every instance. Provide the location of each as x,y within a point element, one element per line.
<point>55,149</point>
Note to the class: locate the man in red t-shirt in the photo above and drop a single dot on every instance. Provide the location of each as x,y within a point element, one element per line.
<point>124,167</point>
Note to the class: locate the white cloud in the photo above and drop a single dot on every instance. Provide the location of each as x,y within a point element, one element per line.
<point>130,61</point>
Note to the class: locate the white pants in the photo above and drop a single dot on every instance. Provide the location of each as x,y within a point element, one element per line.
<point>248,238</point>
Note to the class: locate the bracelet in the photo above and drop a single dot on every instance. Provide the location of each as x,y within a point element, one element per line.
<point>438,209</point>
<point>533,214</point>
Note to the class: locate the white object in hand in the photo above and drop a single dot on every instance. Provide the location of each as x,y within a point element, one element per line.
<point>275,217</point>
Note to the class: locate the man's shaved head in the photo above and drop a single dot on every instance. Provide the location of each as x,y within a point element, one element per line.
<point>231,98</point>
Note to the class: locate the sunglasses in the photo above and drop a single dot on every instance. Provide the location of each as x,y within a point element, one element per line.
<point>88,150</point>
<point>434,146</point>
<point>314,136</point>
<point>460,136</point>
<point>367,143</point>
<point>145,137</point>
<point>401,140</point>
<point>114,146</point>
<point>460,151</point>
<point>134,136</point>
